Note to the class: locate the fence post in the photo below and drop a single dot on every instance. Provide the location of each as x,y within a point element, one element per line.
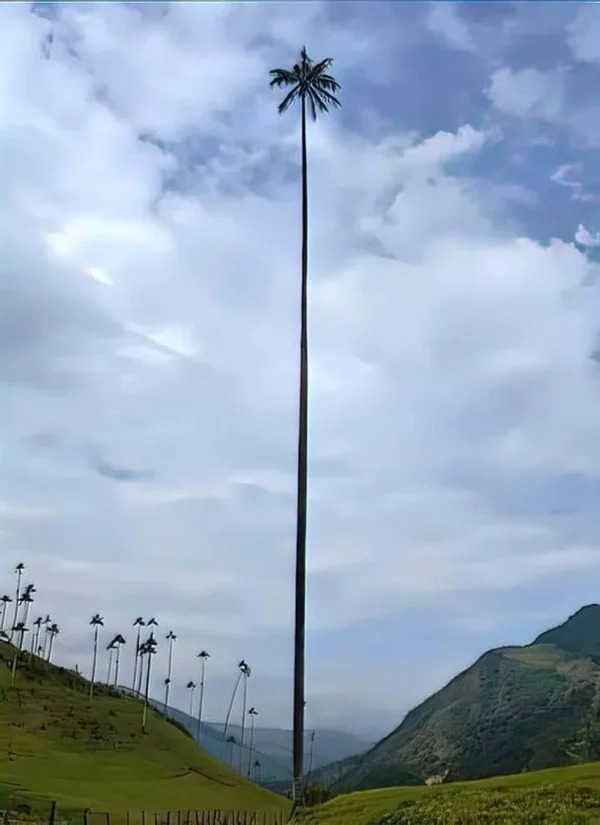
<point>85,816</point>
<point>107,818</point>
<point>52,812</point>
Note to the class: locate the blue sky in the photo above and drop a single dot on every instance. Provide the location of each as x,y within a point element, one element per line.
<point>148,334</point>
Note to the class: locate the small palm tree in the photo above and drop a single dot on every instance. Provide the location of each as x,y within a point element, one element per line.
<point>244,670</point>
<point>4,601</point>
<point>97,621</point>
<point>149,649</point>
<point>253,713</point>
<point>204,655</point>
<point>111,647</point>
<point>170,638</point>
<point>26,600</point>
<point>191,686</point>
<point>139,623</point>
<point>119,641</point>
<point>47,622</point>
<point>20,567</point>
<point>150,623</point>
<point>53,631</point>
<point>35,638</point>
<point>314,88</point>
<point>20,630</point>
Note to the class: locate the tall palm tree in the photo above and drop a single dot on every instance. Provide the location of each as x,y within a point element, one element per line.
<point>26,600</point>
<point>19,574</point>
<point>149,651</point>
<point>170,638</point>
<point>47,622</point>
<point>204,655</point>
<point>253,713</point>
<point>314,88</point>
<point>150,623</point>
<point>111,647</point>
<point>119,641</point>
<point>191,686</point>
<point>35,637</point>
<point>243,667</point>
<point>97,621</point>
<point>53,631</point>
<point>139,623</point>
<point>232,741</point>
<point>20,630</point>
<point>246,675</point>
<point>5,601</point>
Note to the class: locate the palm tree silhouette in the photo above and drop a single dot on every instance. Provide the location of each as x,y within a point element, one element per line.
<point>312,86</point>
<point>47,622</point>
<point>149,649</point>
<point>19,573</point>
<point>150,623</point>
<point>139,623</point>
<point>204,655</point>
<point>119,641</point>
<point>243,668</point>
<point>5,601</point>
<point>36,636</point>
<point>26,600</point>
<point>53,631</point>
<point>96,622</point>
<point>191,686</point>
<point>253,713</point>
<point>111,647</point>
<point>246,675</point>
<point>170,638</point>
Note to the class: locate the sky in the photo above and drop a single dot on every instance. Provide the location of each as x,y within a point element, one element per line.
<point>149,308</point>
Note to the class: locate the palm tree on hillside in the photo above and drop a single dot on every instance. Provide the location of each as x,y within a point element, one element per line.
<point>26,600</point>
<point>143,652</point>
<point>53,631</point>
<point>204,655</point>
<point>111,647</point>
<point>119,641</point>
<point>191,686</point>
<point>314,88</point>
<point>149,649</point>
<point>253,713</point>
<point>35,637</point>
<point>139,623</point>
<point>243,667</point>
<point>20,630</point>
<point>97,621</point>
<point>246,675</point>
<point>42,649</point>
<point>232,741</point>
<point>19,574</point>
<point>170,638</point>
<point>4,601</point>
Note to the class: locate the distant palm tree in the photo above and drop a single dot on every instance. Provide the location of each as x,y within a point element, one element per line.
<point>5,601</point>
<point>232,741</point>
<point>19,573</point>
<point>96,622</point>
<point>149,647</point>
<point>119,642</point>
<point>150,623</point>
<point>257,766</point>
<point>242,668</point>
<point>35,637</point>
<point>246,675</point>
<point>253,713</point>
<point>20,630</point>
<point>26,600</point>
<point>53,631</point>
<point>170,638</point>
<point>139,623</point>
<point>47,622</point>
<point>204,655</point>
<point>111,647</point>
<point>191,686</point>
<point>312,86</point>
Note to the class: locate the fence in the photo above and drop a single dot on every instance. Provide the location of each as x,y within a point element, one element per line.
<point>23,815</point>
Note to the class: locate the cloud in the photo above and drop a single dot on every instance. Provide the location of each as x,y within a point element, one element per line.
<point>149,333</point>
<point>584,33</point>
<point>586,238</point>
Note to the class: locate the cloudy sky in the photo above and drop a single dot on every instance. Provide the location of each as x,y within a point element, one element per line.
<point>149,274</point>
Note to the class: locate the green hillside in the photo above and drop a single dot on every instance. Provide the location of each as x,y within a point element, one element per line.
<point>516,709</point>
<point>559,796</point>
<point>57,744</point>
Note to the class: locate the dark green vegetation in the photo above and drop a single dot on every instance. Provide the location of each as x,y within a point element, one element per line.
<point>57,744</point>
<point>560,796</point>
<point>516,709</point>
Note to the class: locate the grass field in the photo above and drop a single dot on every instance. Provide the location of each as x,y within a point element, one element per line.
<point>558,796</point>
<point>57,744</point>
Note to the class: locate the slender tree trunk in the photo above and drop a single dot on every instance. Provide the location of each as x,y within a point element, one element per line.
<point>201,701</point>
<point>192,700</point>
<point>231,706</point>
<point>300,613</point>
<point>16,612</point>
<point>168,684</point>
<point>140,674</point>
<point>50,648</point>
<point>135,661</point>
<point>251,747</point>
<point>117,663</point>
<point>94,662</point>
<point>310,759</point>
<point>147,691</point>
<point>3,619</point>
<point>110,663</point>
<point>244,704</point>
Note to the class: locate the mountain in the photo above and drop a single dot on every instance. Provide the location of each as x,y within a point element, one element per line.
<point>516,709</point>
<point>272,748</point>
<point>56,744</point>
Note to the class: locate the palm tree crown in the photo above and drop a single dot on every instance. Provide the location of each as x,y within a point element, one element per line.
<point>309,82</point>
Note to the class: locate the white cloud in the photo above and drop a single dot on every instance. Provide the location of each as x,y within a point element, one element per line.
<point>586,238</point>
<point>153,414</point>
<point>584,34</point>
<point>529,92</point>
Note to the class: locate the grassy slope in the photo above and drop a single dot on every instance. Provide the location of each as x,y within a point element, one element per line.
<point>365,807</point>
<point>56,744</point>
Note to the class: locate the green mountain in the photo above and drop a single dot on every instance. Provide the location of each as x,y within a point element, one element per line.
<point>516,709</point>
<point>57,744</point>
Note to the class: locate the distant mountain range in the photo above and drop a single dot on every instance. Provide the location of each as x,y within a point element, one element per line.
<point>515,709</point>
<point>272,747</point>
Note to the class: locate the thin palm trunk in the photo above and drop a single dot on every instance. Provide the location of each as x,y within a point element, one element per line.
<point>136,660</point>
<point>168,682</point>
<point>147,691</point>
<point>201,700</point>
<point>140,673</point>
<point>300,611</point>
<point>192,700</point>
<point>251,746</point>
<point>94,662</point>
<point>117,662</point>
<point>244,704</point>
<point>312,745</point>
<point>50,647</point>
<point>17,595</point>
<point>237,683</point>
<point>3,618</point>
<point>110,664</point>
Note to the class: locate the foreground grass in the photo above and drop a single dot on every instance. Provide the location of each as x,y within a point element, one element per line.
<point>559,796</point>
<point>57,744</point>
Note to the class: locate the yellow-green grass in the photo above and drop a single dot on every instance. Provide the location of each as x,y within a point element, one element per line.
<point>365,807</point>
<point>57,744</point>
